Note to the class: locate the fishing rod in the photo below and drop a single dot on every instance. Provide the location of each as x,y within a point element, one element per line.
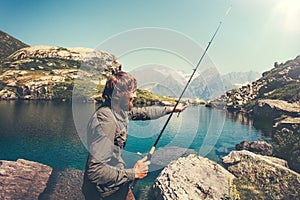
<point>149,156</point>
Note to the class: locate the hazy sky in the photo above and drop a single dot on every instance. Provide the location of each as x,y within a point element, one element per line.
<point>254,35</point>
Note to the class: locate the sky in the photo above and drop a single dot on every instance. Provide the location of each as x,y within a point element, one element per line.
<point>253,36</point>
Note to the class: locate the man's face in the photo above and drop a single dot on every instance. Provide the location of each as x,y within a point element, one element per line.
<point>131,98</point>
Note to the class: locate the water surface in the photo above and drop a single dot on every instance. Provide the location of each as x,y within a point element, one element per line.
<point>45,132</point>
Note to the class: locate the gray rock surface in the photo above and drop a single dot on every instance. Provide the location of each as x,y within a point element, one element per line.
<point>192,177</point>
<point>289,123</point>
<point>22,179</point>
<point>259,147</point>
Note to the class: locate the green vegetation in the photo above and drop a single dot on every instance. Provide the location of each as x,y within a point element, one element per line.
<point>63,91</point>
<point>85,88</point>
<point>232,193</point>
<point>287,92</point>
<point>144,96</point>
<point>44,64</point>
<point>248,190</point>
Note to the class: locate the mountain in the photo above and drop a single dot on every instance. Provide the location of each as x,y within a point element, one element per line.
<point>206,84</point>
<point>237,79</point>
<point>9,44</point>
<point>160,80</point>
<point>209,83</point>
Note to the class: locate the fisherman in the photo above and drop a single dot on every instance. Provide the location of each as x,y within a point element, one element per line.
<point>105,175</point>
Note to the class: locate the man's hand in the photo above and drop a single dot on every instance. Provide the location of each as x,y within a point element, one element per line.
<point>179,108</point>
<point>141,168</point>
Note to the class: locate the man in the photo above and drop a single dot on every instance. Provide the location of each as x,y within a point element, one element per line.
<point>106,176</point>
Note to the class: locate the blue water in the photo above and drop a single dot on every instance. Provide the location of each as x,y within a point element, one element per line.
<point>45,132</point>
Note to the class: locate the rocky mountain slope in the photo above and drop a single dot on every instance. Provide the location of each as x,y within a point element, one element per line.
<point>49,72</point>
<point>273,100</point>
<point>9,44</point>
<point>281,82</point>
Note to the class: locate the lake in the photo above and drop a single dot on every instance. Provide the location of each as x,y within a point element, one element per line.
<point>53,133</point>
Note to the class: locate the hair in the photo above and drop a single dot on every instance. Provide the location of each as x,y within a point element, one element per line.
<point>118,86</point>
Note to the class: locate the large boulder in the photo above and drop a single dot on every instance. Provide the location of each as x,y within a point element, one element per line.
<point>22,179</point>
<point>165,155</point>
<point>270,174</point>
<point>259,147</point>
<point>273,108</point>
<point>192,177</point>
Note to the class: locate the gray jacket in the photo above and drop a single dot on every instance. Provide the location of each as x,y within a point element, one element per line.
<point>106,136</point>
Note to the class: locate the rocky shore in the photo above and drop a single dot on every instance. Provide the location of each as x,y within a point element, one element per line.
<point>242,175</point>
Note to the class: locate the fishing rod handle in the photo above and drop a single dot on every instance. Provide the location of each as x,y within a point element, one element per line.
<point>149,156</point>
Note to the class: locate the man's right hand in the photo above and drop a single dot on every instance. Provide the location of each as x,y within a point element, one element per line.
<point>141,168</point>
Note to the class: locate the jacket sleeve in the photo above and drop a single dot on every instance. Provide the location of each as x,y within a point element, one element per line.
<point>102,130</point>
<point>147,113</point>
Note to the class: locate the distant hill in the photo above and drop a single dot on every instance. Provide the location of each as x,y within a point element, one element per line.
<point>9,45</point>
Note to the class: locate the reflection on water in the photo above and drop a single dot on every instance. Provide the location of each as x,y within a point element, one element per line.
<point>264,127</point>
<point>240,117</point>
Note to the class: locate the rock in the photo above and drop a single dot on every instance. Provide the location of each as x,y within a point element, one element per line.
<point>192,177</point>
<point>258,147</point>
<point>269,173</point>
<point>292,123</point>
<point>6,94</point>
<point>65,184</point>
<point>22,179</point>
